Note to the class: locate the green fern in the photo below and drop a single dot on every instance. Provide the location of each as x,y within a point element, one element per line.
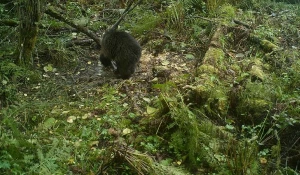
<point>49,161</point>
<point>196,140</point>
<point>175,15</point>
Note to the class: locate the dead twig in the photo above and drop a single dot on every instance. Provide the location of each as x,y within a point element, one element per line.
<point>242,23</point>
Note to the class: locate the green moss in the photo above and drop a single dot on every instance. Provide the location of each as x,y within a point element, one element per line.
<point>267,45</point>
<point>255,67</point>
<point>257,72</point>
<point>253,110</point>
<point>255,101</point>
<point>227,11</point>
<point>236,68</point>
<point>34,76</point>
<point>211,97</point>
<point>214,57</point>
<point>257,61</point>
<point>203,91</point>
<point>209,69</point>
<point>222,104</point>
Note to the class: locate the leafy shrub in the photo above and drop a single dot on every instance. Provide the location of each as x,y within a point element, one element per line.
<point>12,77</point>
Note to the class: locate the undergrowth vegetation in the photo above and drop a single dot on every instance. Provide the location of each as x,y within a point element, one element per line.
<point>226,100</point>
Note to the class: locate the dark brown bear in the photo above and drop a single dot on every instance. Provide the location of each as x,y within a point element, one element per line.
<point>121,48</point>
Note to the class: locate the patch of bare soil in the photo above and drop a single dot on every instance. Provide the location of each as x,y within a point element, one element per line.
<point>151,69</point>
<point>89,77</point>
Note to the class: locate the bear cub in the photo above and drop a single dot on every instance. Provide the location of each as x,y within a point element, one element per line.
<point>120,51</point>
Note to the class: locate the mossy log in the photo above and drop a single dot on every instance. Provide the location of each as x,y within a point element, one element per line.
<point>209,91</point>
<point>265,44</point>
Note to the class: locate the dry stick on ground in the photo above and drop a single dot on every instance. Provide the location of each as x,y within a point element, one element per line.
<point>84,30</point>
<point>242,23</point>
<point>79,42</point>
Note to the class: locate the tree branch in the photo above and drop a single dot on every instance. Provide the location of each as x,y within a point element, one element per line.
<point>84,30</point>
<point>126,11</point>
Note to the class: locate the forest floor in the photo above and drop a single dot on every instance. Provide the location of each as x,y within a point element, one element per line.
<point>205,98</point>
<point>89,74</point>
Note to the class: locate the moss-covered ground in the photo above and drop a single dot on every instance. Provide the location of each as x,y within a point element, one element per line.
<point>217,91</point>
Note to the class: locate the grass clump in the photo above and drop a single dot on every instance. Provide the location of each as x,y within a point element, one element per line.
<point>146,23</point>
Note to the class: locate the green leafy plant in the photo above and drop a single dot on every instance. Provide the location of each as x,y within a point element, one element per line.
<point>12,77</point>
<point>146,23</point>
<point>176,16</point>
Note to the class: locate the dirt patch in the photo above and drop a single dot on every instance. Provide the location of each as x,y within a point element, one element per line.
<point>90,70</point>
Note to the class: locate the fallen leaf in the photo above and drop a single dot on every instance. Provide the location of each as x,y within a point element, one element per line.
<point>165,62</point>
<point>240,55</point>
<point>113,132</point>
<point>71,119</point>
<point>147,99</point>
<point>189,56</point>
<point>154,79</point>
<point>85,116</point>
<point>4,82</point>
<point>65,112</point>
<point>48,68</point>
<point>263,160</point>
<point>94,143</point>
<point>126,131</point>
<point>151,110</point>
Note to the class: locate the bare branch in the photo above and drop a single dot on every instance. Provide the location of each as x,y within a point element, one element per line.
<point>126,11</point>
<point>84,30</point>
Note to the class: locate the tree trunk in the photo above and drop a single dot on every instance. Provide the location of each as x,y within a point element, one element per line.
<point>29,14</point>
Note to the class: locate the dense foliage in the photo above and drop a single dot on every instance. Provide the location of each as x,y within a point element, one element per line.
<point>216,92</point>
